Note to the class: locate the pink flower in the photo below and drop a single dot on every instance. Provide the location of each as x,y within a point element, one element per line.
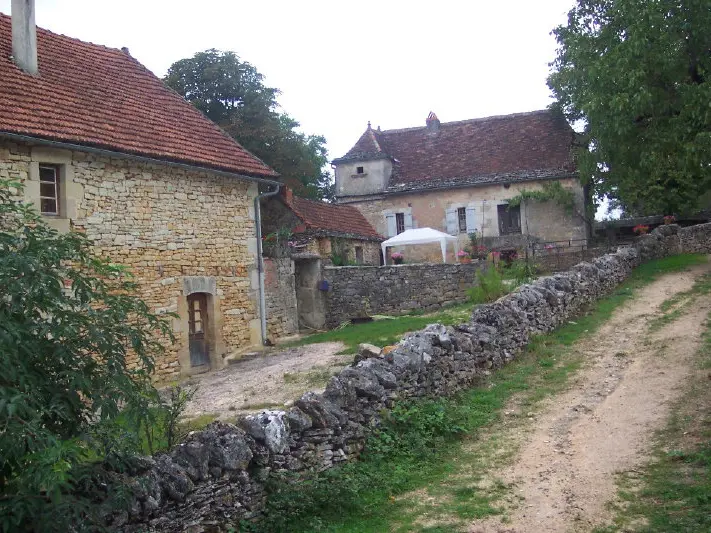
<point>462,253</point>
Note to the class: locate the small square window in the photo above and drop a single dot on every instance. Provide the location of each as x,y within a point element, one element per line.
<point>49,189</point>
<point>360,170</point>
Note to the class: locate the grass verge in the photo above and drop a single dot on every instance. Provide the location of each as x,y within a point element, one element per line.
<point>679,304</point>
<point>422,444</point>
<point>673,492</point>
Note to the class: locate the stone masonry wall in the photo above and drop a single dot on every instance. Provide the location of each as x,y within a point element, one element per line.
<point>356,292</point>
<point>216,476</point>
<point>280,296</point>
<point>173,229</point>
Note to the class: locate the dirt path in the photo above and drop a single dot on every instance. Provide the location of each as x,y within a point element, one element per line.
<point>266,381</point>
<point>564,473</point>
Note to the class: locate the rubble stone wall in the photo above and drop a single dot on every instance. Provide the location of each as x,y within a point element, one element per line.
<point>356,292</point>
<point>216,476</point>
<point>280,297</point>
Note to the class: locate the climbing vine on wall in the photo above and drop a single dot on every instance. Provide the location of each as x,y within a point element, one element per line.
<point>550,192</point>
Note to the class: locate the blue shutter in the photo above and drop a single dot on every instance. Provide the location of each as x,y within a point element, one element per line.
<point>408,221</point>
<point>471,219</point>
<point>391,224</point>
<point>452,222</point>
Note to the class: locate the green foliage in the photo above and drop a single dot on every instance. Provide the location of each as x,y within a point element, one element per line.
<point>68,322</point>
<point>490,286</point>
<point>520,272</point>
<point>549,192</point>
<point>637,74</point>
<point>231,93</point>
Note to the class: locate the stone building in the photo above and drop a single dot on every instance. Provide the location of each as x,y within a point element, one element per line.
<point>457,177</point>
<point>337,234</point>
<point>103,147</point>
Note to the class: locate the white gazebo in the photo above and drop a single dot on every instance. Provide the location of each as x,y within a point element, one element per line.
<point>420,236</point>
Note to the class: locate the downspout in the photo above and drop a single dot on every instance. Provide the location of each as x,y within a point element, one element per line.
<point>260,261</point>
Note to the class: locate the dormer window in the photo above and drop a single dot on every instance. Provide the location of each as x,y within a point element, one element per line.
<point>360,170</point>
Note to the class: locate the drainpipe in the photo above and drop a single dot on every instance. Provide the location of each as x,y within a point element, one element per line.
<point>260,260</point>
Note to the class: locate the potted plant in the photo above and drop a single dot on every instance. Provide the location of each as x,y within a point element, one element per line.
<point>641,229</point>
<point>669,219</point>
<point>397,258</point>
<point>463,256</point>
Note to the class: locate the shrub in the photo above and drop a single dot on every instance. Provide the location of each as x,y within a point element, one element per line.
<point>67,323</point>
<point>490,286</point>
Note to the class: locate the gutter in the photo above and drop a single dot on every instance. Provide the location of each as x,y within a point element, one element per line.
<point>184,166</point>
<point>260,260</point>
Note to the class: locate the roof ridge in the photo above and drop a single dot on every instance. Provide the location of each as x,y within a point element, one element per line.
<point>471,120</point>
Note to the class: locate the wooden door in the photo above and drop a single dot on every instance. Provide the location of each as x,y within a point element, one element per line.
<point>197,326</point>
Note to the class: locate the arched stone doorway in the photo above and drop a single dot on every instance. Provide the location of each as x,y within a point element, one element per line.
<point>202,347</point>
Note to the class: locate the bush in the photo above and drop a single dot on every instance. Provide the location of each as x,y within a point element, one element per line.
<point>68,321</point>
<point>490,286</point>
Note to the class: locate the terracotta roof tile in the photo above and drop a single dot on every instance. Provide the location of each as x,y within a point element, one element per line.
<point>538,142</point>
<point>332,219</point>
<point>97,96</point>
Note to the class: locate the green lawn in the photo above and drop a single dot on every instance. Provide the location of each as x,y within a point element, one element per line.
<point>422,445</point>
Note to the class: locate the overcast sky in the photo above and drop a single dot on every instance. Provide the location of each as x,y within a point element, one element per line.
<point>340,64</point>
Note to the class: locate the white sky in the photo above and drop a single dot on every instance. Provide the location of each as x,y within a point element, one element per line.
<point>340,64</point>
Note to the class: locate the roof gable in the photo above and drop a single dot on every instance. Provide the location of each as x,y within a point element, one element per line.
<point>96,96</point>
<point>538,143</point>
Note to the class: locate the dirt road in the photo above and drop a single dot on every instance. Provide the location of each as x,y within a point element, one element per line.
<point>564,473</point>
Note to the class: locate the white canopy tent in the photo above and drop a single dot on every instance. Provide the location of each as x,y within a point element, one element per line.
<point>420,236</point>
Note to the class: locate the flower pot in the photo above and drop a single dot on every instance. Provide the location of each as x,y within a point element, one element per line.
<point>465,260</point>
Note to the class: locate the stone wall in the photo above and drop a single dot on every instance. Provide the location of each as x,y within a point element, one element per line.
<point>356,292</point>
<point>280,297</point>
<point>216,476</point>
<point>173,229</point>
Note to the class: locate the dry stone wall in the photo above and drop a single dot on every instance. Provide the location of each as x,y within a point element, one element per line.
<point>356,292</point>
<point>280,297</point>
<point>217,475</point>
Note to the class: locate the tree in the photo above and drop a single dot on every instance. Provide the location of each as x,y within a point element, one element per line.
<point>638,76</point>
<point>69,399</point>
<point>231,93</point>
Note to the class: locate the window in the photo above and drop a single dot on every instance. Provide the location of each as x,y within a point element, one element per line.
<point>399,223</point>
<point>360,170</point>
<point>509,219</point>
<point>462,218</point>
<point>49,189</point>
<point>359,254</point>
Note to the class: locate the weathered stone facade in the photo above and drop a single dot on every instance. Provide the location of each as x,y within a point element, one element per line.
<point>280,295</point>
<point>216,477</point>
<point>355,292</point>
<point>177,231</point>
<point>540,221</point>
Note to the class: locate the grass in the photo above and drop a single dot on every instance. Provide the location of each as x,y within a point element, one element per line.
<point>676,306</point>
<point>385,332</point>
<point>673,492</point>
<point>425,469</point>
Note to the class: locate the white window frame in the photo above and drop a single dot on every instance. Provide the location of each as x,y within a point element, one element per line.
<point>56,183</point>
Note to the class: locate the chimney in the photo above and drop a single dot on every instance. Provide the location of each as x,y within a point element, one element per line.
<point>24,35</point>
<point>287,193</point>
<point>432,123</point>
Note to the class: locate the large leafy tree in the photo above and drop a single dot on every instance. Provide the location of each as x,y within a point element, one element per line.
<point>70,402</point>
<point>637,75</point>
<point>231,93</point>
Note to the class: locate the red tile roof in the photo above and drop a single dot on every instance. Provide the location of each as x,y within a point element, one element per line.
<point>536,143</point>
<point>331,219</point>
<point>101,97</point>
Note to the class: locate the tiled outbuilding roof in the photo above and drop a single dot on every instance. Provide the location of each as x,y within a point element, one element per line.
<point>102,97</point>
<point>518,147</point>
<point>331,219</point>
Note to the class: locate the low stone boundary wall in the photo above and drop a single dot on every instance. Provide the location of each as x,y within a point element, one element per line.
<point>217,476</point>
<point>558,261</point>
<point>280,297</point>
<point>356,292</point>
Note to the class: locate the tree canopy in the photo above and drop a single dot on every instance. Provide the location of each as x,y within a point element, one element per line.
<point>231,93</point>
<point>638,76</point>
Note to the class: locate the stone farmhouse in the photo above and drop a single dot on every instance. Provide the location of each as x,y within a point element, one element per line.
<point>457,177</point>
<point>103,147</point>
<point>333,233</point>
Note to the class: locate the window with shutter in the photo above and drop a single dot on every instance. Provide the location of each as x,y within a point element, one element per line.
<point>399,222</point>
<point>451,221</point>
<point>471,219</point>
<point>391,225</point>
<point>462,219</point>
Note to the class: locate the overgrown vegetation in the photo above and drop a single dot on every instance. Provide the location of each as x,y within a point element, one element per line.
<point>500,279</point>
<point>386,331</point>
<point>420,442</point>
<point>673,493</point>
<point>72,408</point>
